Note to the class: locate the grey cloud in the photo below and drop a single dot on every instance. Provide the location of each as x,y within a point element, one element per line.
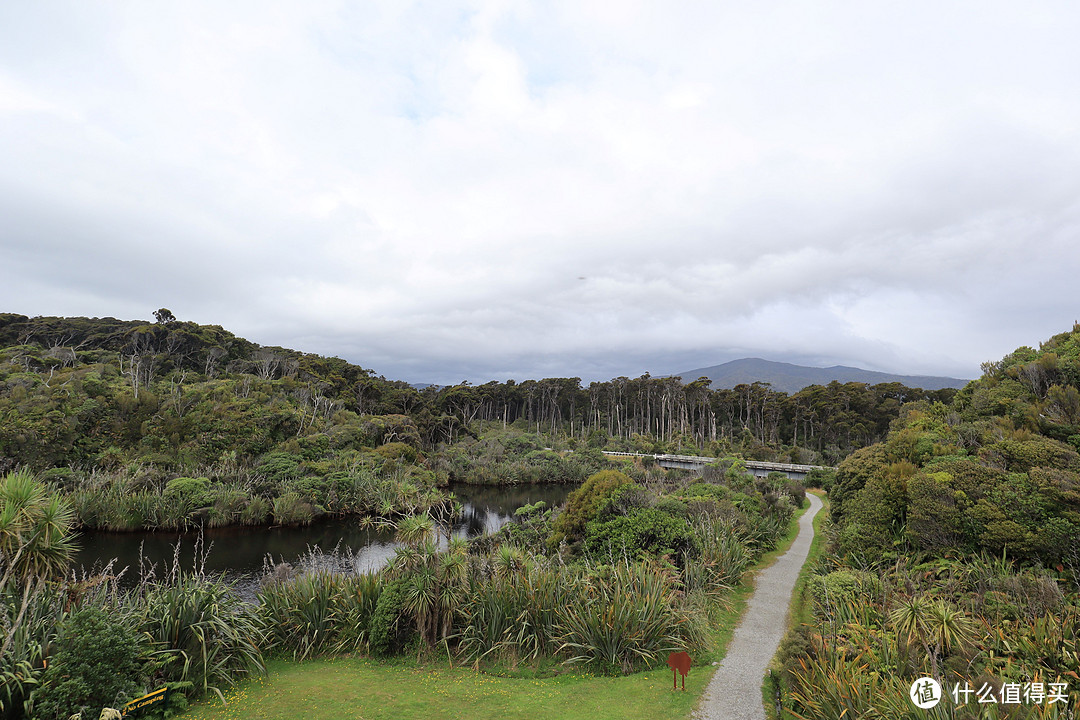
<point>418,187</point>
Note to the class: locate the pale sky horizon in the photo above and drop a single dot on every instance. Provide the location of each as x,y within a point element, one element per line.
<point>489,189</point>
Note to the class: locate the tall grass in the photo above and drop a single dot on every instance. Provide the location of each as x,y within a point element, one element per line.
<point>317,612</point>
<point>200,631</point>
<point>615,621</point>
<point>22,665</point>
<point>204,633</point>
<point>723,558</point>
<point>629,620</point>
<point>514,612</point>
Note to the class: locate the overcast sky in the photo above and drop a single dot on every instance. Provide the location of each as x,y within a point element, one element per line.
<point>481,190</point>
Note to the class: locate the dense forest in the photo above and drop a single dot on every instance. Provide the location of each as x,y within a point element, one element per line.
<point>172,424</point>
<point>956,554</point>
<point>80,391</point>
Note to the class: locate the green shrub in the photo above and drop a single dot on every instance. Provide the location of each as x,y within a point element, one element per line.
<point>707,490</point>
<point>257,512</point>
<point>583,504</point>
<point>193,491</point>
<point>644,530</point>
<point>388,633</point>
<point>21,665</point>
<point>96,665</point>
<point>227,506</point>
<point>61,476</point>
<point>279,467</point>
<point>627,621</point>
<point>521,444</point>
<point>204,632</point>
<point>319,612</point>
<point>625,499</point>
<point>292,509</point>
<point>397,451</point>
<point>821,478</point>
<point>840,587</point>
<point>671,506</point>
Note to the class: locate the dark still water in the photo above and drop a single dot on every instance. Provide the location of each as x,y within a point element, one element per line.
<point>239,552</point>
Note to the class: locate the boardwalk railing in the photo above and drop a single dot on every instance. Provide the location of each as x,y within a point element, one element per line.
<point>698,460</point>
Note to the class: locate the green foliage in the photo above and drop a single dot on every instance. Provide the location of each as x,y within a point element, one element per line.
<point>1022,455</point>
<point>821,478</point>
<point>388,634</point>
<point>632,622</point>
<point>193,491</point>
<point>279,467</point>
<point>397,451</point>
<point>105,396</point>
<point>35,528</point>
<point>96,664</point>
<point>840,588</point>
<point>319,612</point>
<point>852,475</point>
<point>60,477</point>
<point>292,509</point>
<point>583,505</point>
<point>204,633</point>
<point>175,703</point>
<point>30,623</point>
<point>647,531</point>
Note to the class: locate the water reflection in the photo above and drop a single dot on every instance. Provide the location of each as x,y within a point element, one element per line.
<point>238,553</point>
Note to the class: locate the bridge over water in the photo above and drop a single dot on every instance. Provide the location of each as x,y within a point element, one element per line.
<point>755,467</point>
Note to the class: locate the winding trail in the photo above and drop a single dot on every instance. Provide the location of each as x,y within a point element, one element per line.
<point>734,693</point>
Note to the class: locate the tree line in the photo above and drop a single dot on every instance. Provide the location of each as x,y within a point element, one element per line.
<point>171,365</point>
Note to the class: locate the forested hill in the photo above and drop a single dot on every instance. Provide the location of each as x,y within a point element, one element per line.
<point>791,378</point>
<point>963,524</point>
<point>997,470</point>
<point>102,392</point>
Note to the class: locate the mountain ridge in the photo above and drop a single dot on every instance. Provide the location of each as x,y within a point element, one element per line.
<point>791,378</point>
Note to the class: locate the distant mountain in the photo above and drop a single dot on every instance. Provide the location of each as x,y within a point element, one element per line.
<point>793,378</point>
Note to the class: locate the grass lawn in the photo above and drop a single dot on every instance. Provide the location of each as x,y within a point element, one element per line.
<point>348,688</point>
<point>351,688</point>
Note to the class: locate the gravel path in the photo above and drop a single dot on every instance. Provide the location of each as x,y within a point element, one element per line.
<point>735,690</point>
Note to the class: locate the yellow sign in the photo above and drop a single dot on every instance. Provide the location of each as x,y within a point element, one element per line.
<point>145,700</point>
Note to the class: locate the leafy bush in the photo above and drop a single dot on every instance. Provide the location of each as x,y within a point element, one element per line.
<point>397,451</point>
<point>388,634</point>
<point>96,665</point>
<point>279,467</point>
<point>840,587</point>
<point>61,476</point>
<point>583,504</point>
<point>644,530</point>
<point>193,491</point>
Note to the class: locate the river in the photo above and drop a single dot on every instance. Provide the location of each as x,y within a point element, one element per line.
<point>239,552</point>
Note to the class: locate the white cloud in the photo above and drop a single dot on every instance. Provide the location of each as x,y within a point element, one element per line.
<point>449,190</point>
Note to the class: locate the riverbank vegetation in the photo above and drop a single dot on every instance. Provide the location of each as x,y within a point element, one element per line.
<point>628,571</point>
<point>955,554</point>
<point>81,641</point>
<point>175,425</point>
